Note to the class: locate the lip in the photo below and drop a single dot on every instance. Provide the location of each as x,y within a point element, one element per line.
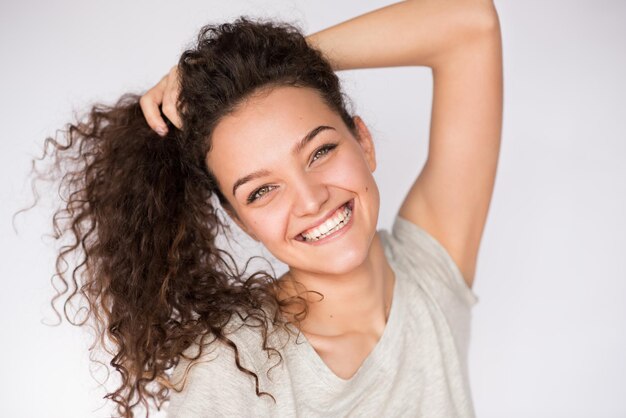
<point>350,204</point>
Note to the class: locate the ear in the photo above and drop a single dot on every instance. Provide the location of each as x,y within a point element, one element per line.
<point>233,215</point>
<point>366,142</point>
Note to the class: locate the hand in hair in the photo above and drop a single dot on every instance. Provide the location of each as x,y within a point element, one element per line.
<point>163,94</point>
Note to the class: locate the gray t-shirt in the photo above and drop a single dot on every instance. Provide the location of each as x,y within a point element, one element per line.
<point>418,368</point>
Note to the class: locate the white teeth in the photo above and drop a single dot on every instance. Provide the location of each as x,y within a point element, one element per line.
<point>328,225</point>
<point>331,225</point>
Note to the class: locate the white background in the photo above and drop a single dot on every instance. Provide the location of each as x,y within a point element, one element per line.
<point>548,333</point>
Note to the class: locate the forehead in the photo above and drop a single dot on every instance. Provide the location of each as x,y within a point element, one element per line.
<point>261,132</point>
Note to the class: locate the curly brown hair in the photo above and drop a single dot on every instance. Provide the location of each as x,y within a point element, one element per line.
<point>142,219</point>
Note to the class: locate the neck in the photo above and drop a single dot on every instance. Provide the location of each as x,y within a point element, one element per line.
<point>355,302</point>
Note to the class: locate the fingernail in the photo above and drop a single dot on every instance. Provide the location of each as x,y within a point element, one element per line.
<point>161,131</point>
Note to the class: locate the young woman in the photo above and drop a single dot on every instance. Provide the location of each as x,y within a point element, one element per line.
<point>364,322</point>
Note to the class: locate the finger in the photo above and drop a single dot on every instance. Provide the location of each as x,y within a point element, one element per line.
<point>170,98</point>
<point>150,103</point>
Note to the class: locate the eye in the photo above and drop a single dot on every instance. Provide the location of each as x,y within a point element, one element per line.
<point>323,150</point>
<point>262,191</point>
<point>259,193</point>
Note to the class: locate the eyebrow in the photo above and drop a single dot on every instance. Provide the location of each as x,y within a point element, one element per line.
<point>297,148</point>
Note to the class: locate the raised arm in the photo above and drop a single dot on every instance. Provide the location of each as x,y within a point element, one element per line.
<point>460,41</point>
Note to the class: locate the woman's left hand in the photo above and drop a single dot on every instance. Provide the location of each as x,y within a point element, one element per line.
<point>163,94</point>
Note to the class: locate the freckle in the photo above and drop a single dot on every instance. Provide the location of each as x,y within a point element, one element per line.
<point>367,189</point>
<point>331,316</point>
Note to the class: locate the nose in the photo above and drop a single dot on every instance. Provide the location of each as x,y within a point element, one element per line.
<point>310,195</point>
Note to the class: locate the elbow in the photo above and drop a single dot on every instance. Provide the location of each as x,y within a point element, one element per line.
<point>475,19</point>
<point>479,20</point>
<point>486,19</point>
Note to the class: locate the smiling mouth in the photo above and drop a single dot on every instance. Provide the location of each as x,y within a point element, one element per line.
<point>334,223</point>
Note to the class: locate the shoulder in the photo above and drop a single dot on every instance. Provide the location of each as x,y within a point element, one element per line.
<point>221,379</point>
<point>433,287</point>
<point>425,261</point>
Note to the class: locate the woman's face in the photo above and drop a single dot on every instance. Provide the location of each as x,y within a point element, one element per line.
<point>282,187</point>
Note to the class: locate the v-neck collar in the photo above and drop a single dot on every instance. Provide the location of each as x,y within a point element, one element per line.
<point>374,363</point>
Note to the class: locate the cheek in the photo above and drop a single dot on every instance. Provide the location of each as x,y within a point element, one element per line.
<point>350,171</point>
<point>268,224</point>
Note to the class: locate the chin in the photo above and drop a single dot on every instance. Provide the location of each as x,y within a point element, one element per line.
<point>341,262</point>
